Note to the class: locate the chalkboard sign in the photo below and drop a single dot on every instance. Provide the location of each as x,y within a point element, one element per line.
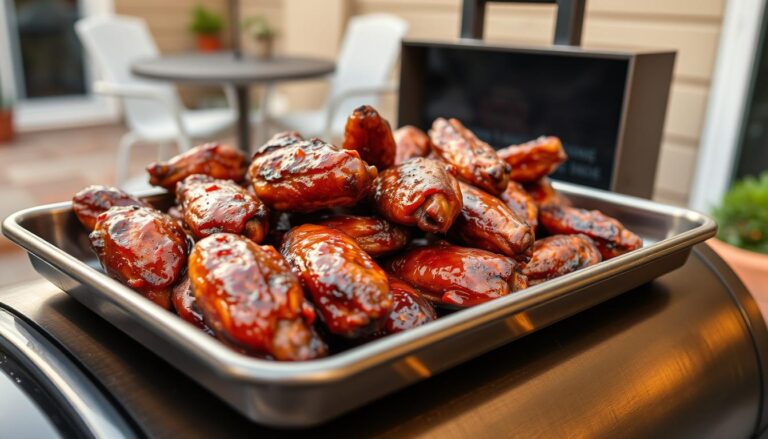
<point>607,107</point>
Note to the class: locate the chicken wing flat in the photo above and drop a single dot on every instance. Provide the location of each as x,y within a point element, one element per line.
<point>376,236</point>
<point>521,203</point>
<point>349,289</point>
<point>486,222</point>
<point>310,175</point>
<point>185,304</point>
<point>213,206</point>
<point>533,160</point>
<point>214,159</point>
<point>142,248</point>
<point>370,134</point>
<point>558,255</point>
<point>411,308</point>
<point>251,298</point>
<point>420,193</point>
<point>474,161</point>
<point>92,201</point>
<point>543,193</point>
<point>410,142</point>
<point>458,276</point>
<point>609,235</point>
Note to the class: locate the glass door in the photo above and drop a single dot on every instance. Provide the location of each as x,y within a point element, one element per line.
<point>50,75</point>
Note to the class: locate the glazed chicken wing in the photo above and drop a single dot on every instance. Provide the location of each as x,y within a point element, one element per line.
<point>486,222</point>
<point>420,193</point>
<point>251,298</point>
<point>376,236</point>
<point>370,134</point>
<point>349,289</point>
<point>185,304</point>
<point>458,276</point>
<point>474,161</point>
<point>411,308</point>
<point>92,201</point>
<point>211,206</point>
<point>521,203</point>
<point>533,160</point>
<point>310,175</point>
<point>143,248</point>
<point>214,159</point>
<point>543,194</point>
<point>411,142</point>
<point>610,236</point>
<point>558,255</point>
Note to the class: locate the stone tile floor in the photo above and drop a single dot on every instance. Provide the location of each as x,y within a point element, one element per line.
<point>49,166</point>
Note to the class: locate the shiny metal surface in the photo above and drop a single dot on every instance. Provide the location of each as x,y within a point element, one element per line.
<point>302,394</point>
<point>88,409</point>
<point>673,358</point>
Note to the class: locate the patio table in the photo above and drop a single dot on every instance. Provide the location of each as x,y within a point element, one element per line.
<point>224,68</point>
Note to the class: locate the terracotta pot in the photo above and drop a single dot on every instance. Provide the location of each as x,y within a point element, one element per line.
<point>750,266</point>
<point>208,42</point>
<point>264,48</point>
<point>6,125</point>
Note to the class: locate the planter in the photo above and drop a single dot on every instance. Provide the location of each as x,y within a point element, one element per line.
<point>264,48</point>
<point>208,42</point>
<point>751,267</point>
<point>6,125</point>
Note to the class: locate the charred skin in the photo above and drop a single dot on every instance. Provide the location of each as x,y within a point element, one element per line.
<point>213,159</point>
<point>251,298</point>
<point>486,222</point>
<point>474,161</point>
<point>420,193</point>
<point>410,142</point>
<point>376,236</point>
<point>533,160</point>
<point>458,276</point>
<point>185,304</point>
<point>608,234</point>
<point>142,248</point>
<point>310,175</point>
<point>92,201</point>
<point>559,255</point>
<point>349,289</point>
<point>521,203</point>
<point>213,206</point>
<point>370,135</point>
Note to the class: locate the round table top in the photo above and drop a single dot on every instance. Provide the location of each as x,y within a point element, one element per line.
<point>224,68</point>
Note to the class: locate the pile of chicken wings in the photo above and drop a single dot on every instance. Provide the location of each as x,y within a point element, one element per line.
<point>309,245</point>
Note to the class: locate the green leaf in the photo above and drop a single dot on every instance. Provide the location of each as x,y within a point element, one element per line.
<point>742,217</point>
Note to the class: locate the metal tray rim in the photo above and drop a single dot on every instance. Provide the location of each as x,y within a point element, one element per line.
<point>233,365</point>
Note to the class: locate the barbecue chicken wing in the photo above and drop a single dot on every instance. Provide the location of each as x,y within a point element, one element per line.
<point>309,175</point>
<point>420,193</point>
<point>211,206</point>
<point>533,160</point>
<point>143,248</point>
<point>370,134</point>
<point>474,161</point>
<point>610,236</point>
<point>411,142</point>
<point>376,236</point>
<point>486,222</point>
<point>458,276</point>
<point>521,203</point>
<point>185,304</point>
<point>558,255</point>
<point>349,289</point>
<point>411,308</point>
<point>543,194</point>
<point>92,201</point>
<point>251,298</point>
<point>214,159</point>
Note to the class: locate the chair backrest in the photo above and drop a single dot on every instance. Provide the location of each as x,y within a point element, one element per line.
<point>115,42</point>
<point>368,53</point>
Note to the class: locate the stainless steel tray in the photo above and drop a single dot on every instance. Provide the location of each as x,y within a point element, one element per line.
<point>302,394</point>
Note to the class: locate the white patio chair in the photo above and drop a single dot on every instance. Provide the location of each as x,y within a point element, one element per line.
<point>153,110</point>
<point>368,53</point>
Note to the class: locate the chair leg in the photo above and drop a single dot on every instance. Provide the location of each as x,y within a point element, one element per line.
<point>123,157</point>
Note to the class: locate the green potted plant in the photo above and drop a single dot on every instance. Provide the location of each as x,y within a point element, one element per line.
<point>262,33</point>
<point>742,237</point>
<point>6,119</point>
<point>207,25</point>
